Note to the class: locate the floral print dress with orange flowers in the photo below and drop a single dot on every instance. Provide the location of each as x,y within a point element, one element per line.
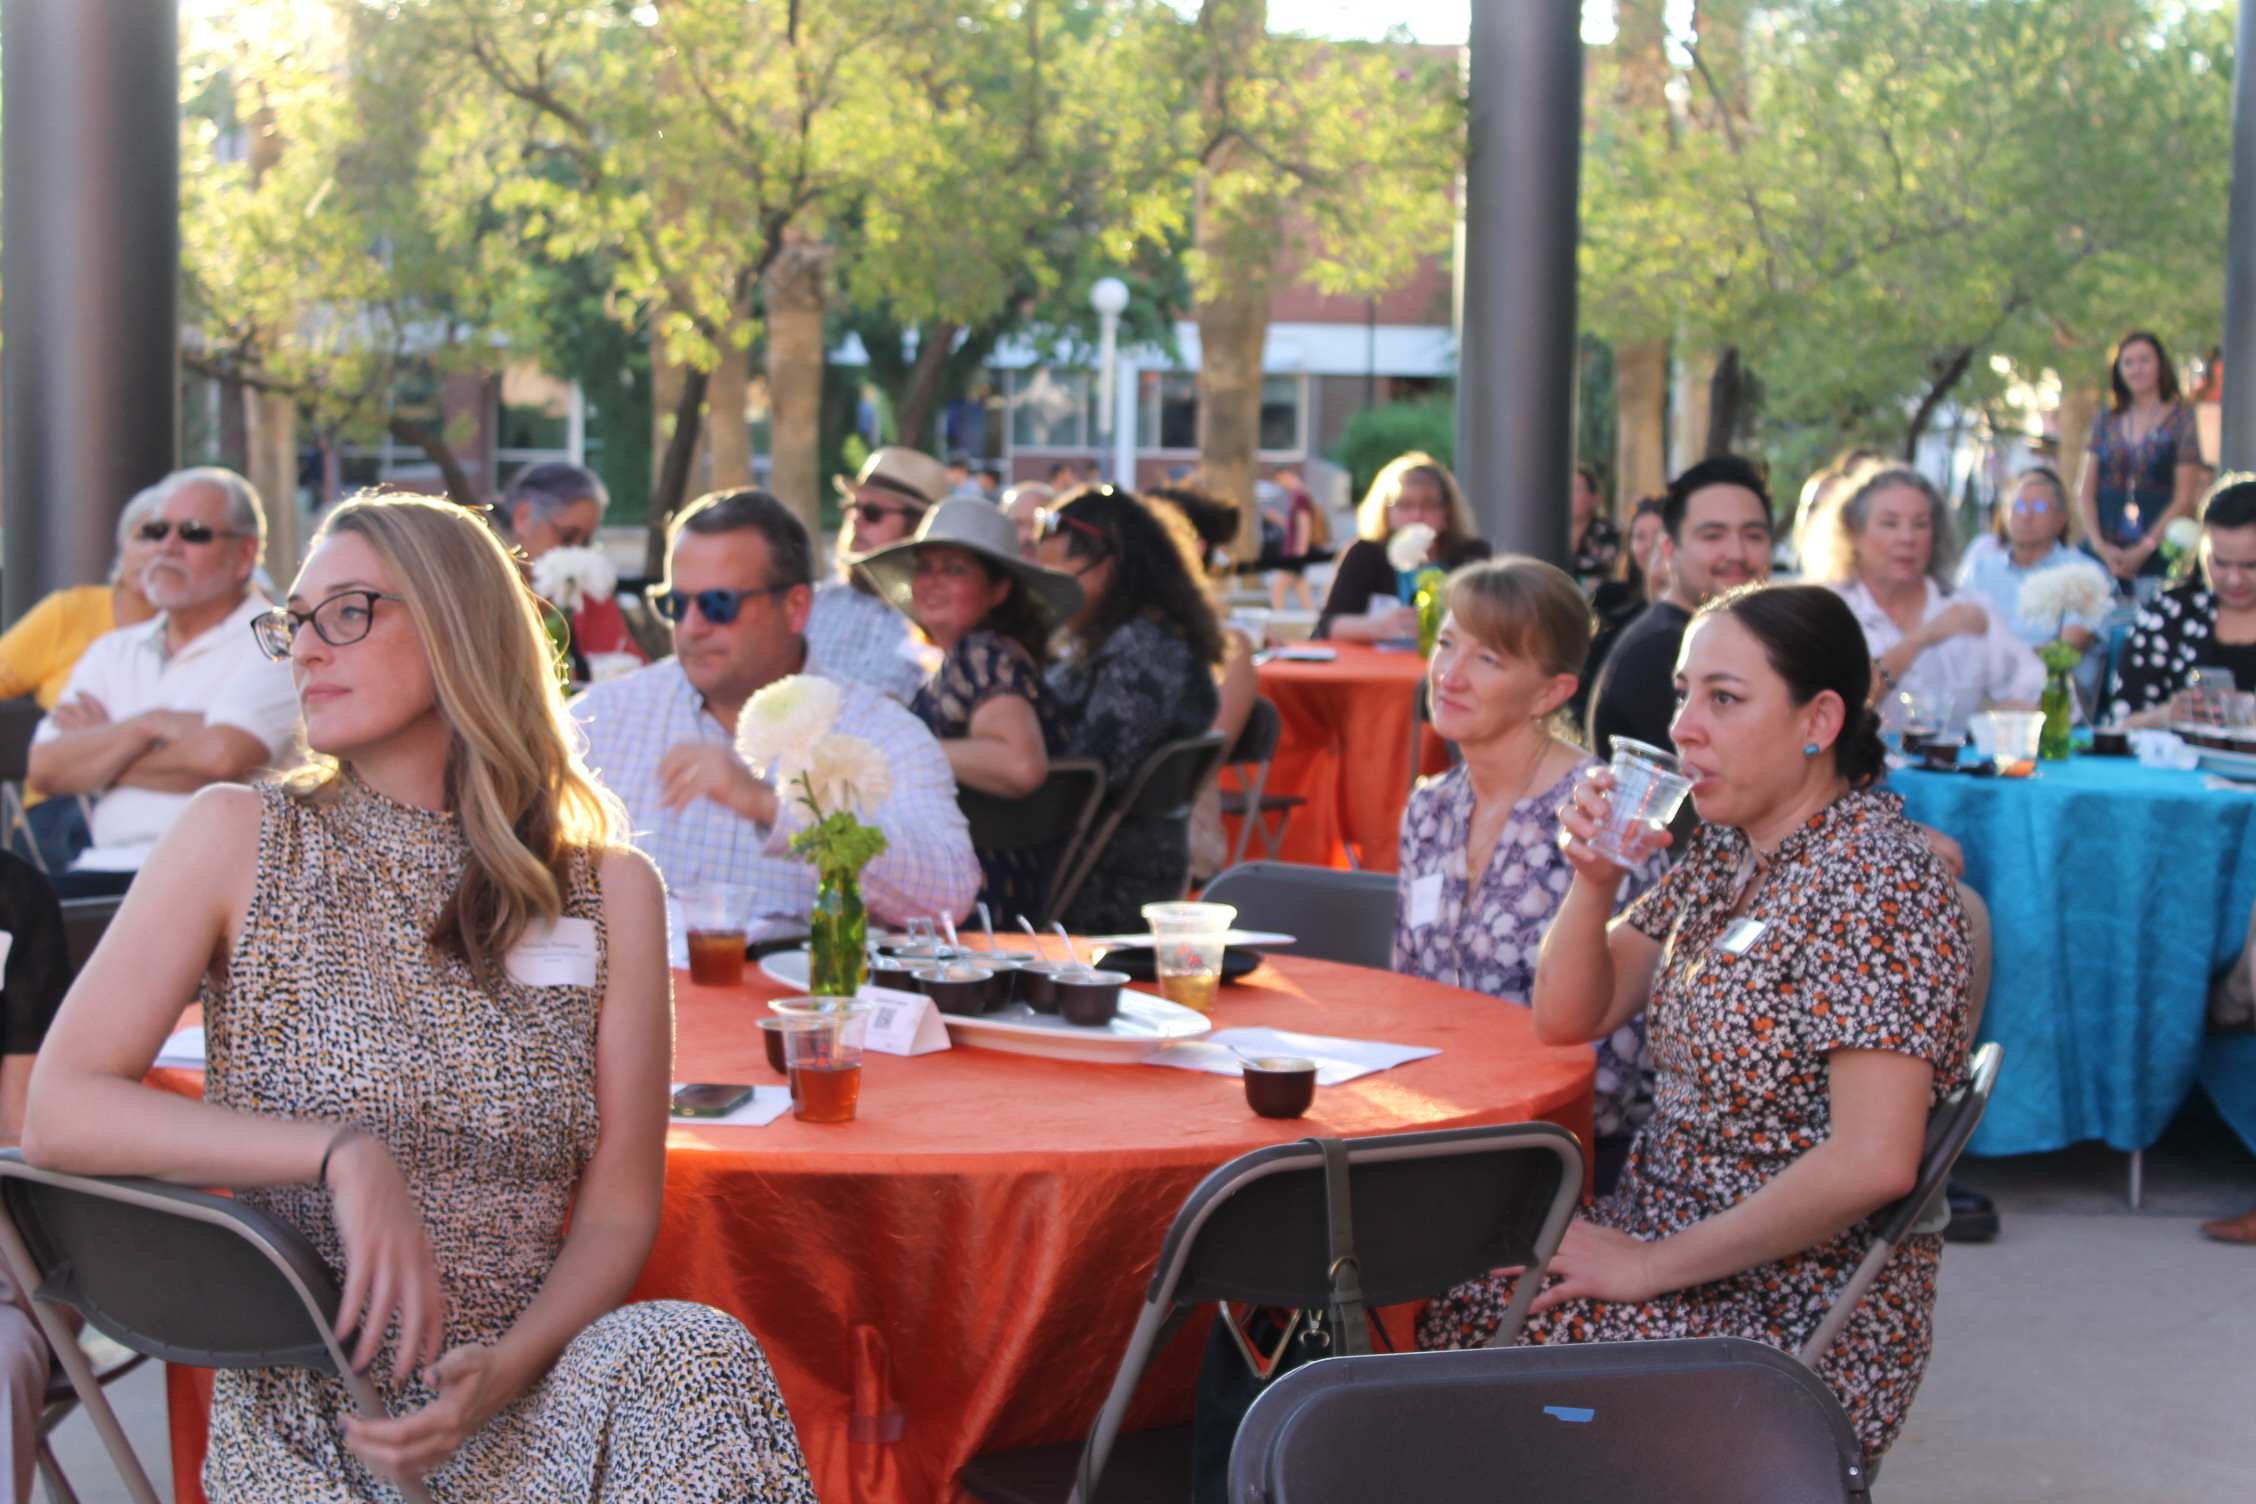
<point>1863,946</point>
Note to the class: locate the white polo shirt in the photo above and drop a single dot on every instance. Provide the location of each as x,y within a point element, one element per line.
<point>221,674</point>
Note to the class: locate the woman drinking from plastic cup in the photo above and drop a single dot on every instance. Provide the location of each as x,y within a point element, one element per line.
<point>1803,969</point>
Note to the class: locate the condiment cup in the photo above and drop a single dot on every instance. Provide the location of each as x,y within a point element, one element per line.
<point>956,988</point>
<point>1279,1086</point>
<point>1089,999</point>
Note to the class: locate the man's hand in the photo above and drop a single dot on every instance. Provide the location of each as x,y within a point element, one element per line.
<point>709,770</point>
<point>80,713</point>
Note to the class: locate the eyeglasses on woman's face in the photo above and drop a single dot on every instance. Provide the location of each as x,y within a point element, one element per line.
<point>717,606</point>
<point>340,621</point>
<point>191,531</point>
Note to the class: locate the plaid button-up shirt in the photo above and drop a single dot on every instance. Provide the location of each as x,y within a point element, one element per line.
<point>860,637</point>
<point>928,868</point>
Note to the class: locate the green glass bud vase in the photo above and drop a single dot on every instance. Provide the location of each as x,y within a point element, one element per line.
<point>2059,700</point>
<point>837,943</point>
<point>1430,609</point>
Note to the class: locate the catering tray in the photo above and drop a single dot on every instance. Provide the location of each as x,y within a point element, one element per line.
<point>2240,766</point>
<point>1145,1023</point>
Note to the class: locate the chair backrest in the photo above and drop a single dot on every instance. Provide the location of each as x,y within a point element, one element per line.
<point>178,1274</point>
<point>1710,1420</point>
<point>1335,915</point>
<point>18,719</point>
<point>1057,811</point>
<point>1949,1127</point>
<point>1981,942</point>
<point>1165,786</point>
<point>85,921</point>
<point>1430,1211</point>
<point>1257,739</point>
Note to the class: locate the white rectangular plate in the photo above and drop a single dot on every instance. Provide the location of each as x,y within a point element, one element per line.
<point>1146,1023</point>
<point>2235,765</point>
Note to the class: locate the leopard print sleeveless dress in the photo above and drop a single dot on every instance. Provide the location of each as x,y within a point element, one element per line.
<point>333,1009</point>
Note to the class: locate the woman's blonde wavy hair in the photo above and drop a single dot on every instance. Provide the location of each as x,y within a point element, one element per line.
<point>527,805</point>
<point>1371,515</point>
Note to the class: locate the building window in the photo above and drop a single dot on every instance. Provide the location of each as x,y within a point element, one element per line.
<point>1280,414</point>
<point>1167,412</point>
<point>1052,409</point>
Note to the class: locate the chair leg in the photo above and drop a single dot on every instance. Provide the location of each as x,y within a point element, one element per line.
<point>1258,786</point>
<point>59,1490</point>
<point>64,1342</point>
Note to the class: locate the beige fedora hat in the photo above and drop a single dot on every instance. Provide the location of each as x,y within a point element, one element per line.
<point>978,527</point>
<point>916,477</point>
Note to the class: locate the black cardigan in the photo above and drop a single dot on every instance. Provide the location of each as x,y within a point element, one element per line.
<point>1363,571</point>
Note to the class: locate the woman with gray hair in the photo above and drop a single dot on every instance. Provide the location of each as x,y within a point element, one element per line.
<point>1890,550</point>
<point>38,653</point>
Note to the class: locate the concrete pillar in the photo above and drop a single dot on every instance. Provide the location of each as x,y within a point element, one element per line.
<point>2237,449</point>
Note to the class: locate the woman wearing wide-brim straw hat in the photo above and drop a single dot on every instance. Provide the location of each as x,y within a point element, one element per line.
<point>991,613</point>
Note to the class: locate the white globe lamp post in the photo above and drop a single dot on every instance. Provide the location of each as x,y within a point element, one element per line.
<point>1109,297</point>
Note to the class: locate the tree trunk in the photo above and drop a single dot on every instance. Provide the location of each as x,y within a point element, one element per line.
<point>795,377</point>
<point>1232,331</point>
<point>1641,401</point>
<point>1688,407</point>
<point>726,392</point>
<point>1945,371</point>
<point>2078,406</point>
<point>234,425</point>
<point>440,453</point>
<point>1239,248</point>
<point>1727,402</point>
<point>273,474</point>
<point>673,470</point>
<point>920,401</point>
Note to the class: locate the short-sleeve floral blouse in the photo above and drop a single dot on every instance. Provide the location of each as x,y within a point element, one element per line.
<point>1862,946</point>
<point>1484,935</point>
<point>979,667</point>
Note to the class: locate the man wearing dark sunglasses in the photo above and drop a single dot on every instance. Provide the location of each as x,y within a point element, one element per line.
<point>853,630</point>
<point>738,591</point>
<point>158,710</point>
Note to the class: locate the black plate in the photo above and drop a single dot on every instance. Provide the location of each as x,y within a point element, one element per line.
<point>1136,961</point>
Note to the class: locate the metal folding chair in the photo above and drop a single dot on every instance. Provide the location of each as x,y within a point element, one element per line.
<point>85,922</point>
<point>172,1273</point>
<point>1430,1211</point>
<point>1060,811</point>
<point>1251,803</point>
<point>1708,1420</point>
<point>1162,789</point>
<point>1334,915</point>
<point>1925,1210</point>
<point>18,720</point>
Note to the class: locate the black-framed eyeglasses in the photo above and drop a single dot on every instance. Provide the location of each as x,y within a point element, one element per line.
<point>717,606</point>
<point>190,531</point>
<point>340,621</point>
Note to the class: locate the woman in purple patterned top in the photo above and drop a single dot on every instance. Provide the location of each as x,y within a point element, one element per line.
<point>1506,660</point>
<point>2142,460</point>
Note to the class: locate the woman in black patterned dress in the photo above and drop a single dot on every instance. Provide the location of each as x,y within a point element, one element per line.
<point>1135,672</point>
<point>991,612</point>
<point>2207,622</point>
<point>1806,965</point>
<point>435,996</point>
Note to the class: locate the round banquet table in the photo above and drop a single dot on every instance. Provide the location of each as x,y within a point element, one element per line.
<point>1345,748</point>
<point>957,1271</point>
<point>2116,891</point>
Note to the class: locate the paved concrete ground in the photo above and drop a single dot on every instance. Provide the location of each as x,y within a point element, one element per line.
<point>2092,1355</point>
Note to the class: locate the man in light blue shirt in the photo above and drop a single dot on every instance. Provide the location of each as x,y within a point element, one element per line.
<point>852,630</point>
<point>740,586</point>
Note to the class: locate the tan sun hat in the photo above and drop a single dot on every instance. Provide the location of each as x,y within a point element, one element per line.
<point>978,527</point>
<point>916,477</point>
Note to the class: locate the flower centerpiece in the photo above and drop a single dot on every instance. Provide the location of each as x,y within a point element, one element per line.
<point>2179,540</point>
<point>1418,582</point>
<point>2049,601</point>
<point>788,732</point>
<point>569,579</point>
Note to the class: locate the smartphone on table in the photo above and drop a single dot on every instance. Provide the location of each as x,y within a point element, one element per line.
<point>709,1099</point>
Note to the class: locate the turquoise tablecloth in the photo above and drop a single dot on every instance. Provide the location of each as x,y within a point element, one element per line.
<point>2116,891</point>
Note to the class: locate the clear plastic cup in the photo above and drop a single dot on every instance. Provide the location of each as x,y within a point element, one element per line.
<point>1187,944</point>
<point>1649,788</point>
<point>2019,732</point>
<point>714,915</point>
<point>823,1048</point>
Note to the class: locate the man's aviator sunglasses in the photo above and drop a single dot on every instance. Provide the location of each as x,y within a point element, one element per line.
<point>190,531</point>
<point>340,621</point>
<point>717,606</point>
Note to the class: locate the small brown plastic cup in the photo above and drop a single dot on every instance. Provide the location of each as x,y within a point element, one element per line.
<point>1280,1086</point>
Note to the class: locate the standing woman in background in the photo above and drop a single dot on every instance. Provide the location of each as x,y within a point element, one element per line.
<point>2142,463</point>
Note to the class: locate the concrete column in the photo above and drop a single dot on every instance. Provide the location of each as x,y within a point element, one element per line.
<point>1516,362</point>
<point>2237,449</point>
<point>90,255</point>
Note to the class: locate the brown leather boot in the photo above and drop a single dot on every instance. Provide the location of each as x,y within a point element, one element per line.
<point>2233,1229</point>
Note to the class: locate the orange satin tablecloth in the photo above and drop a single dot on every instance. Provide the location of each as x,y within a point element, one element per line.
<point>957,1271</point>
<point>1345,748</point>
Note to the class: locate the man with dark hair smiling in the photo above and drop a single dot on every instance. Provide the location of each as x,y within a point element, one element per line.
<point>1716,526</point>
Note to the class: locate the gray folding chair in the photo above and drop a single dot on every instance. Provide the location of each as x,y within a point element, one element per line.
<point>1250,803</point>
<point>172,1273</point>
<point>18,720</point>
<point>85,922</point>
<point>1162,789</point>
<point>1334,915</point>
<point>1060,812</point>
<point>1707,1420</point>
<point>1925,1210</point>
<point>1429,1212</point>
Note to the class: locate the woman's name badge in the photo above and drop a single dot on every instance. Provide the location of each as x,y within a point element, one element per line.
<point>1425,900</point>
<point>1741,936</point>
<point>558,955</point>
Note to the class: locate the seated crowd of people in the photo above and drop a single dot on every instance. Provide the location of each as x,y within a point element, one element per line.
<point>337,818</point>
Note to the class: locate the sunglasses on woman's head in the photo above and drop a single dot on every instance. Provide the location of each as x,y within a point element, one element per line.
<point>190,531</point>
<point>717,606</point>
<point>1047,522</point>
<point>342,620</point>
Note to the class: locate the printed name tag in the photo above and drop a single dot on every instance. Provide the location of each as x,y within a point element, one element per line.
<point>1742,934</point>
<point>560,956</point>
<point>903,1023</point>
<point>1425,900</point>
<point>7,943</point>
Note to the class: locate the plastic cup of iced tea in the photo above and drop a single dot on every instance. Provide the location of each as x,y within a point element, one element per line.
<point>1187,944</point>
<point>713,913</point>
<point>824,1050</point>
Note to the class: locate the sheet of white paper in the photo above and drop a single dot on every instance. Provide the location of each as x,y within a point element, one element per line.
<point>1384,605</point>
<point>1425,900</point>
<point>768,1103</point>
<point>903,1023</point>
<point>1336,1060</point>
<point>562,955</point>
<point>184,1049</point>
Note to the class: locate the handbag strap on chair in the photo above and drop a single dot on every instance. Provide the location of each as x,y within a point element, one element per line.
<point>1350,1332</point>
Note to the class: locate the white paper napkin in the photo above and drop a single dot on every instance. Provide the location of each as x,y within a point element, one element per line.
<point>2164,749</point>
<point>1336,1060</point>
<point>768,1103</point>
<point>184,1049</point>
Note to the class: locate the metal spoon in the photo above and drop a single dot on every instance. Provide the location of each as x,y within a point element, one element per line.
<point>948,922</point>
<point>1078,964</point>
<point>988,924</point>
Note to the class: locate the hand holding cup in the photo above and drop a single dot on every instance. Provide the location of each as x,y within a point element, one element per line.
<point>1586,816</point>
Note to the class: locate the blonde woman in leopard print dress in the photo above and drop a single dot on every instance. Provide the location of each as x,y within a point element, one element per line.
<point>436,999</point>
